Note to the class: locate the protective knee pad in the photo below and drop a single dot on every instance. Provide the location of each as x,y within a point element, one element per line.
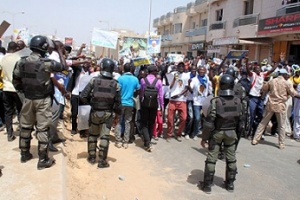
<point>43,135</point>
<point>103,148</point>
<point>209,166</point>
<point>25,139</point>
<point>92,145</point>
<point>231,165</point>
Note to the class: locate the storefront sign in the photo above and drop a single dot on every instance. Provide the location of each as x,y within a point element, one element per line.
<point>197,46</point>
<point>279,24</point>
<point>225,41</point>
<point>212,49</point>
<point>237,54</point>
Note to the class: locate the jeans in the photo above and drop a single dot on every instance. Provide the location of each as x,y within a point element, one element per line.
<point>256,109</point>
<point>197,119</point>
<point>189,120</point>
<point>127,114</point>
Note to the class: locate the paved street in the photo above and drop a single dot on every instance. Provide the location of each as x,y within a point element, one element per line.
<point>271,174</point>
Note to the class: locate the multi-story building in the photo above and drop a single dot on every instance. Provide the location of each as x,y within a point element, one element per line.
<point>265,28</point>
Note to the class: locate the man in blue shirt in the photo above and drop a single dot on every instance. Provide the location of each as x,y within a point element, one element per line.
<point>128,85</point>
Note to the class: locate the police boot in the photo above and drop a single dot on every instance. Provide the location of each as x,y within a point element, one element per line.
<point>44,160</point>
<point>230,178</point>
<point>91,159</point>
<point>208,181</point>
<point>103,151</point>
<point>52,148</point>
<point>25,156</point>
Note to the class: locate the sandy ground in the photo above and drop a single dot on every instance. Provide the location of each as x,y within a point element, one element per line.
<point>128,177</point>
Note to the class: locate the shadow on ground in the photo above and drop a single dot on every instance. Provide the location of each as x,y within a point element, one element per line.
<point>196,178</point>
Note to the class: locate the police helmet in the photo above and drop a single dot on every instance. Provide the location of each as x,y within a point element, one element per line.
<point>107,67</point>
<point>226,85</point>
<point>231,72</point>
<point>39,43</point>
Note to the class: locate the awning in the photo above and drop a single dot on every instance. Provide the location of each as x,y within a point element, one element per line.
<point>265,40</point>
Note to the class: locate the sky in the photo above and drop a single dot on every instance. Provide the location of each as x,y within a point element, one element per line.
<point>77,18</point>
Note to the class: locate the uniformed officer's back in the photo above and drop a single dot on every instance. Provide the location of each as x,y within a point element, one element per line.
<point>223,118</point>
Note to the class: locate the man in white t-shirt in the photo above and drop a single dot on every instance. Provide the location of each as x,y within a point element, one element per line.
<point>178,90</point>
<point>256,101</point>
<point>202,87</point>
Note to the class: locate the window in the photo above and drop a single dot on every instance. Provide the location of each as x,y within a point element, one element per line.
<point>204,22</point>
<point>178,28</point>
<point>248,7</point>
<point>219,15</point>
<point>194,25</point>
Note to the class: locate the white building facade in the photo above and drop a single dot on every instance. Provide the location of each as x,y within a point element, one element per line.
<point>266,28</point>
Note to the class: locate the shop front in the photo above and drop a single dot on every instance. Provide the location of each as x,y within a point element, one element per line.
<point>284,31</point>
<point>196,49</point>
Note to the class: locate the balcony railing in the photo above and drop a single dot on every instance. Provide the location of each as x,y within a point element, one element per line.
<point>189,33</point>
<point>289,9</point>
<point>217,25</point>
<point>198,2</point>
<point>166,38</point>
<point>246,20</point>
<point>196,32</point>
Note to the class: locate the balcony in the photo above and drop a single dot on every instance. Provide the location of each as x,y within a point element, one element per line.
<point>246,20</point>
<point>180,9</point>
<point>189,33</point>
<point>155,23</point>
<point>162,20</point>
<point>217,25</point>
<point>169,18</point>
<point>201,6</point>
<point>196,32</point>
<point>288,9</point>
<point>199,2</point>
<point>190,9</point>
<point>166,40</point>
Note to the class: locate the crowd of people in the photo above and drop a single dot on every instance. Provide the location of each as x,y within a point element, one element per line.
<point>106,94</point>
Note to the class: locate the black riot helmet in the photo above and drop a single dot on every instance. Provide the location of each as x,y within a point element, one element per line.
<point>107,67</point>
<point>39,44</point>
<point>226,85</point>
<point>231,72</point>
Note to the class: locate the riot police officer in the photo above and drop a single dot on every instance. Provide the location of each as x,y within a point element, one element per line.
<point>220,125</point>
<point>102,93</point>
<point>31,76</point>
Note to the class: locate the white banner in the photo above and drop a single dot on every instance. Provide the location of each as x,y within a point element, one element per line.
<point>105,38</point>
<point>21,34</point>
